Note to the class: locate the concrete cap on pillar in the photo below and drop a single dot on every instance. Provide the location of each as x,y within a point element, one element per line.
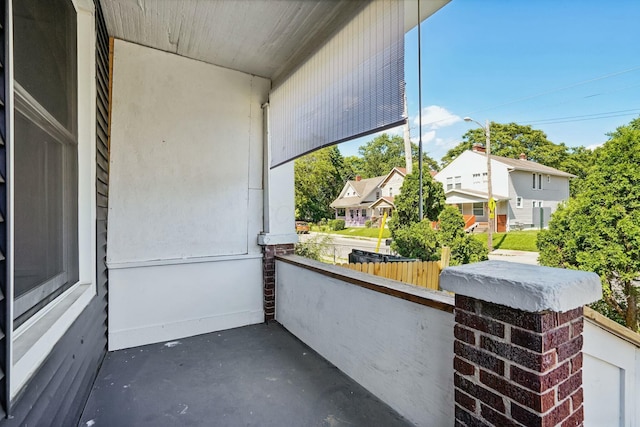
<point>525,287</point>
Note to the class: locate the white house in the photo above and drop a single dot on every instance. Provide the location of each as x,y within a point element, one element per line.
<point>368,199</point>
<point>525,192</point>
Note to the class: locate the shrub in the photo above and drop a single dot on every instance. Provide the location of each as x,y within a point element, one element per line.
<point>322,222</point>
<point>336,224</point>
<point>417,241</point>
<point>314,248</point>
<point>367,223</point>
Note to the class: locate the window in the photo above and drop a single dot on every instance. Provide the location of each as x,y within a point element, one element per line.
<point>534,181</point>
<point>485,177</point>
<point>45,154</point>
<point>377,194</point>
<point>476,178</point>
<point>478,209</point>
<point>458,182</point>
<point>519,202</point>
<point>548,179</point>
<point>390,191</point>
<point>363,213</point>
<point>341,212</point>
<point>449,183</point>
<point>537,203</point>
<point>539,181</point>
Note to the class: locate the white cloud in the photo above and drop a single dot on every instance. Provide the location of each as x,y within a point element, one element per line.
<point>426,137</point>
<point>436,117</point>
<point>594,146</point>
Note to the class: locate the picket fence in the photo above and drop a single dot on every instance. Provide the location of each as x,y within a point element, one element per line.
<point>425,274</point>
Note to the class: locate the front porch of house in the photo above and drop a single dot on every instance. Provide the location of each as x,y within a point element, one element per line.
<point>473,203</point>
<point>259,375</point>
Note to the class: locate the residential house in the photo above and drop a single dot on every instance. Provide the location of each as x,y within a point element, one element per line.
<point>526,192</point>
<point>147,196</point>
<point>368,199</point>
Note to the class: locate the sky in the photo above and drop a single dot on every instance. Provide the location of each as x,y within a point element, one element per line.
<point>570,68</point>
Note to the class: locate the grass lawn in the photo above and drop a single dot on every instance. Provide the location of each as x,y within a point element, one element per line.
<point>514,240</point>
<point>358,232</point>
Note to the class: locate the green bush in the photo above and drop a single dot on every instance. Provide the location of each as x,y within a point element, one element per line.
<point>464,248</point>
<point>417,241</point>
<point>314,248</point>
<point>336,224</point>
<point>322,222</point>
<point>367,223</point>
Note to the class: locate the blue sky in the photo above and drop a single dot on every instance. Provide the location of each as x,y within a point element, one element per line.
<point>559,65</point>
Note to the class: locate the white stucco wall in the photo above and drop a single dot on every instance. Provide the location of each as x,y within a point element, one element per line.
<point>392,186</point>
<point>399,350</point>
<point>185,187</point>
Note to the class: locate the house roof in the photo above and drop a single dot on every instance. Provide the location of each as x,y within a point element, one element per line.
<point>463,195</point>
<point>349,202</point>
<point>384,201</point>
<point>400,171</point>
<point>529,166</point>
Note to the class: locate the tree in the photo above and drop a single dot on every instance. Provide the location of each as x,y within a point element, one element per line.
<point>599,229</point>
<point>319,178</point>
<point>464,248</point>
<point>383,153</point>
<point>406,212</point>
<point>512,139</point>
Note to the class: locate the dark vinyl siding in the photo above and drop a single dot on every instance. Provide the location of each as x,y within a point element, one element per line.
<point>4,133</point>
<point>57,393</point>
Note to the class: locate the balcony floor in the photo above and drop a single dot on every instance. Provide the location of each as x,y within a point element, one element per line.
<point>258,375</point>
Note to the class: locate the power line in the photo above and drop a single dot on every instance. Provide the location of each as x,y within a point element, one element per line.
<point>582,116</point>
<point>526,98</point>
<point>587,119</point>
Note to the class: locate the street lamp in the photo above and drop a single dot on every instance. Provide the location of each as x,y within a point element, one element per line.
<point>491,202</point>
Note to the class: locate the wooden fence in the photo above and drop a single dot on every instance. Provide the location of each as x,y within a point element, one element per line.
<point>425,274</point>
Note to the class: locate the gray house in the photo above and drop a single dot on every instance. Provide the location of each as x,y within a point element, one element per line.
<point>525,192</point>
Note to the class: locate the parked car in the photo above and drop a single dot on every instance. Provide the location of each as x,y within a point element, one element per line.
<point>302,227</point>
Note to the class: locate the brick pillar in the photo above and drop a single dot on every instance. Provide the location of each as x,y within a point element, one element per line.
<point>269,276</point>
<point>518,343</point>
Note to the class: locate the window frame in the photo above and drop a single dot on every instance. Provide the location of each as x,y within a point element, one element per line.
<point>519,202</point>
<point>32,341</point>
<point>473,208</point>
<point>457,182</point>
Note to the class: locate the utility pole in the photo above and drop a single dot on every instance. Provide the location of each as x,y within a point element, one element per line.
<point>491,203</point>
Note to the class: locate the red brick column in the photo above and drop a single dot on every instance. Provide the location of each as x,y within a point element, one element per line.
<point>517,368</point>
<point>269,276</point>
<point>518,343</point>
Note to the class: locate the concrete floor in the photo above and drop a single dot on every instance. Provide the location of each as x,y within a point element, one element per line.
<point>258,375</point>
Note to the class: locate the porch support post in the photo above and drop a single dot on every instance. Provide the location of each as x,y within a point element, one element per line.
<point>278,228</point>
<point>518,343</point>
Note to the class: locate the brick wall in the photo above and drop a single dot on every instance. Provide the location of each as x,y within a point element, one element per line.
<point>515,368</point>
<point>269,276</point>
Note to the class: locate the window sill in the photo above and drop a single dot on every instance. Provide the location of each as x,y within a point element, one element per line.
<point>35,339</point>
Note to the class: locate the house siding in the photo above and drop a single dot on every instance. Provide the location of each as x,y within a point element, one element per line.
<point>57,392</point>
<point>551,195</point>
<point>4,133</point>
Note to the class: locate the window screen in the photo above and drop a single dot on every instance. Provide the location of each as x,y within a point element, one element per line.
<point>351,87</point>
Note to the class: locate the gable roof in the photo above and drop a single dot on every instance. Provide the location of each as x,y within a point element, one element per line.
<point>401,171</point>
<point>386,200</point>
<point>529,166</point>
<point>363,188</point>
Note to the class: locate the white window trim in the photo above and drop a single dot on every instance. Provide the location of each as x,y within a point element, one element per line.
<point>34,340</point>
<point>519,202</point>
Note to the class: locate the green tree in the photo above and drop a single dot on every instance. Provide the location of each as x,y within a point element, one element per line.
<point>406,212</point>
<point>599,229</point>
<point>383,153</point>
<point>464,248</point>
<point>319,178</point>
<point>511,139</point>
<point>417,240</point>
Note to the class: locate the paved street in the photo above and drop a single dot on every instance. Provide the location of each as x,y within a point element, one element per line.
<point>341,246</point>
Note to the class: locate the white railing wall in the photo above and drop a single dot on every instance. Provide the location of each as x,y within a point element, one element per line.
<point>400,350</point>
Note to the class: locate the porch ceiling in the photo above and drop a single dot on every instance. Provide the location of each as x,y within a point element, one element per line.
<point>268,38</point>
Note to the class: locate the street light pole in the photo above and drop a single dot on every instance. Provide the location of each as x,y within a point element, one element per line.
<point>490,201</point>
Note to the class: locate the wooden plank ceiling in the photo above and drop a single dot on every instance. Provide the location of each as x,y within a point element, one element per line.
<point>268,38</point>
